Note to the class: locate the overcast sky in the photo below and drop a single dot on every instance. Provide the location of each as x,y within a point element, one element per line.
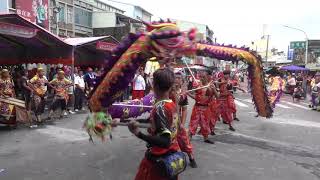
<point>241,21</point>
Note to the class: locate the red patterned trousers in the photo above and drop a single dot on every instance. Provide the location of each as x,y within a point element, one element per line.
<point>214,114</point>
<point>199,117</point>
<point>184,141</point>
<point>227,108</point>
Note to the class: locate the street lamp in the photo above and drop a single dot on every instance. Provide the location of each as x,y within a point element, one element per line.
<point>306,53</point>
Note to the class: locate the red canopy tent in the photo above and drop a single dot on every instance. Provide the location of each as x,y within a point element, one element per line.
<point>24,42</point>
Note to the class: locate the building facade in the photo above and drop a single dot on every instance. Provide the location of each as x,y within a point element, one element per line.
<point>299,53</point>
<point>204,33</point>
<point>118,24</point>
<point>75,18</point>
<point>35,11</point>
<point>80,18</point>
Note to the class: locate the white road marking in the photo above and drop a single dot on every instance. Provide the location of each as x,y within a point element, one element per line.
<point>283,106</point>
<point>297,105</point>
<point>240,103</point>
<point>214,152</point>
<point>245,100</point>
<point>248,100</point>
<point>307,104</point>
<point>295,122</point>
<point>64,133</point>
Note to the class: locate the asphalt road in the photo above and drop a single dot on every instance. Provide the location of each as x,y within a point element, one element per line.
<point>286,147</point>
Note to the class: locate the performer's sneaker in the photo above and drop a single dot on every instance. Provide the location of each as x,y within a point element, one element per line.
<point>199,132</point>
<point>213,133</point>
<point>208,141</point>
<point>231,128</point>
<point>193,163</point>
<point>236,119</point>
<point>224,122</point>
<point>33,126</point>
<point>71,112</point>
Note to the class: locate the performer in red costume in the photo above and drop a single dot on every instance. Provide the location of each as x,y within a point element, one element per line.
<point>227,107</point>
<point>164,128</point>
<point>214,111</point>
<point>200,113</point>
<point>213,107</point>
<point>181,100</point>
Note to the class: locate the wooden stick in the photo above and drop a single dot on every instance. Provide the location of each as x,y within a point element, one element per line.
<point>140,125</point>
<point>190,70</point>
<point>132,105</point>
<point>202,87</point>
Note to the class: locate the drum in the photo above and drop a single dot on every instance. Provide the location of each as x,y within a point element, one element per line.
<point>10,107</point>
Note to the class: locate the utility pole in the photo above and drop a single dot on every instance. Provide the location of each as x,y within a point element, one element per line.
<point>268,36</point>
<point>264,31</point>
<point>267,48</point>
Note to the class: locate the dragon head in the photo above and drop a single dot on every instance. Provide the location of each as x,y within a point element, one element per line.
<point>168,42</point>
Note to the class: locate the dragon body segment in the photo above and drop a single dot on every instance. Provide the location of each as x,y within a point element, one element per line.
<point>120,75</point>
<point>255,69</point>
<point>166,42</point>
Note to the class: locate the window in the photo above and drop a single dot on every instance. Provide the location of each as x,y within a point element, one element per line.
<point>70,14</point>
<point>62,13</point>
<point>83,17</point>
<point>70,34</point>
<point>51,9</point>
<point>12,4</point>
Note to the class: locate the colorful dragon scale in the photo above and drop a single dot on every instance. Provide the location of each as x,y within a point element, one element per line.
<point>256,75</point>
<point>165,41</point>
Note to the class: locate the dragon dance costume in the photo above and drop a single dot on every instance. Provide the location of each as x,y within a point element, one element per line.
<point>61,94</point>
<point>227,107</point>
<point>214,114</point>
<point>276,89</point>
<point>7,110</point>
<point>164,112</point>
<point>164,39</point>
<point>183,136</point>
<point>39,85</point>
<point>201,113</point>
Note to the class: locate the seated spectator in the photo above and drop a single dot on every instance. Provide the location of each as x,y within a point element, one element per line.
<point>298,93</point>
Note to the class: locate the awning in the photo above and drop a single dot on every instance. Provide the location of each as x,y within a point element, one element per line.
<point>24,42</point>
<point>92,51</point>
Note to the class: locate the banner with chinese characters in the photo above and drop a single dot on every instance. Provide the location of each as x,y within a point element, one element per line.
<point>16,30</point>
<point>105,46</point>
<point>35,11</point>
